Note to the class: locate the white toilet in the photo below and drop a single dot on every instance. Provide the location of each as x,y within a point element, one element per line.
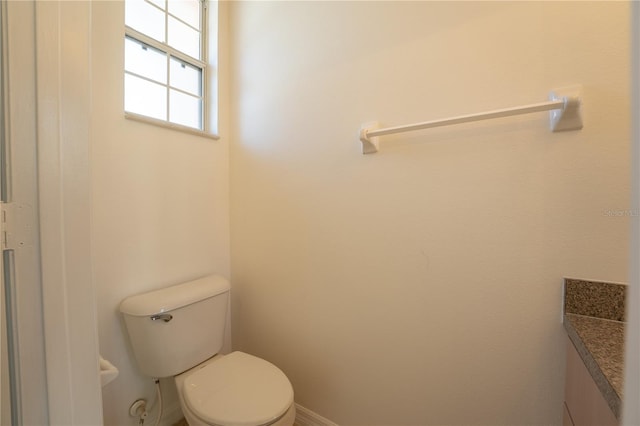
<point>178,331</point>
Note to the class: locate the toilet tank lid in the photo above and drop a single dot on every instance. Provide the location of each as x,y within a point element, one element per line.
<point>174,297</point>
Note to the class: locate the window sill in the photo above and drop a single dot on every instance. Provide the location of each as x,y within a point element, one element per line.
<point>167,125</point>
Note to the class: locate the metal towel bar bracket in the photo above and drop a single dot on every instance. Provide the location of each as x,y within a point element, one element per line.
<point>565,106</point>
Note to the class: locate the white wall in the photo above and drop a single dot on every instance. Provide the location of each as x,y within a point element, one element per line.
<point>159,210</point>
<point>422,284</point>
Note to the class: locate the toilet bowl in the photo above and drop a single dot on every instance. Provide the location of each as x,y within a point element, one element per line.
<point>237,389</point>
<point>178,331</point>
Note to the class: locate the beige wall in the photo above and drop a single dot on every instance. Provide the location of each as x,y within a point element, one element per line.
<point>160,210</point>
<point>422,284</point>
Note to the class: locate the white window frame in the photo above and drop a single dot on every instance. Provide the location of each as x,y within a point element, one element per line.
<point>207,118</point>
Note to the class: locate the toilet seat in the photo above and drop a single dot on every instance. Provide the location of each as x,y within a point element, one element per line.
<point>238,390</point>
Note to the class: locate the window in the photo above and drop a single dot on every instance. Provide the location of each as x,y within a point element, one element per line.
<point>165,64</point>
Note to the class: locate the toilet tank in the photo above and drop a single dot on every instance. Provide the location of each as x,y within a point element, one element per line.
<point>178,327</point>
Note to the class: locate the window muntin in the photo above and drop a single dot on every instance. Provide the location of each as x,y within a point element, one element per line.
<point>164,45</point>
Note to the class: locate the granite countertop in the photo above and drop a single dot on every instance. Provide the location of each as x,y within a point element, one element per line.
<point>594,320</point>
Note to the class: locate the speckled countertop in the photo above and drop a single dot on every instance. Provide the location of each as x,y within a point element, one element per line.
<point>594,319</point>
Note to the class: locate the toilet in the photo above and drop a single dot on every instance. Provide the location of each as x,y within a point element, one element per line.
<point>178,331</point>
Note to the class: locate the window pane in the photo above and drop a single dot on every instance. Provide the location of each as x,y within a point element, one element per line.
<point>185,76</point>
<point>160,3</point>
<point>185,109</point>
<point>143,17</point>
<point>187,10</point>
<point>144,97</point>
<point>184,38</point>
<point>145,60</point>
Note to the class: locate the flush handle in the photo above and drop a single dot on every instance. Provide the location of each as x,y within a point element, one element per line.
<point>163,317</point>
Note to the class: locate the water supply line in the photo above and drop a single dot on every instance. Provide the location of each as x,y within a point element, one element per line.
<point>159,400</point>
<point>139,407</point>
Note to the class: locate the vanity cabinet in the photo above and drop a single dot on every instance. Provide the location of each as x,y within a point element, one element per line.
<point>584,403</point>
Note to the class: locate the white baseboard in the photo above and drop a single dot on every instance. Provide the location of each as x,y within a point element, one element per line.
<point>306,417</point>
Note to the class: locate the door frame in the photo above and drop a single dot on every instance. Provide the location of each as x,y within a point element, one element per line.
<point>63,44</point>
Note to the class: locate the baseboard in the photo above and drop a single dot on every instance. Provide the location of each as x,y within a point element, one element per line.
<point>306,417</point>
